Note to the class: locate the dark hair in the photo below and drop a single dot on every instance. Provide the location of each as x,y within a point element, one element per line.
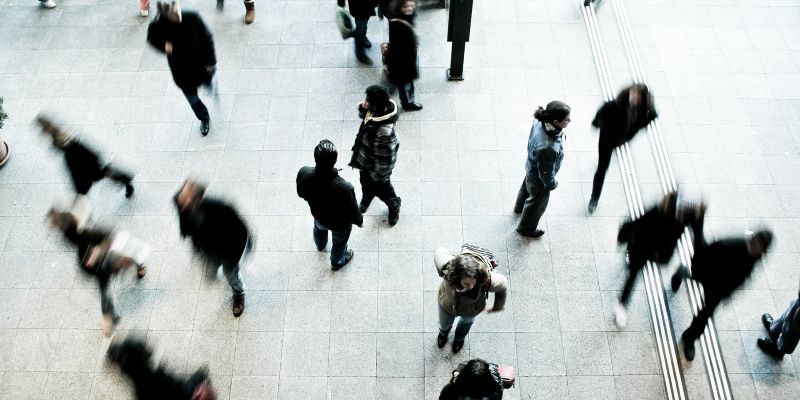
<point>646,98</point>
<point>464,266</point>
<point>555,111</point>
<point>477,379</point>
<point>325,154</point>
<point>763,237</point>
<point>377,97</point>
<point>396,6</point>
<point>131,355</point>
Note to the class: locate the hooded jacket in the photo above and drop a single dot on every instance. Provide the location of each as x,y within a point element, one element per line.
<point>192,48</point>
<point>216,230</point>
<point>464,304</point>
<point>376,145</point>
<point>331,198</point>
<point>545,153</point>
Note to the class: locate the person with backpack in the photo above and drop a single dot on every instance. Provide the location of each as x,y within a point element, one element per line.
<point>783,333</point>
<point>361,10</point>
<point>402,63</point>
<point>332,201</point>
<point>475,379</point>
<point>619,120</point>
<point>467,279</point>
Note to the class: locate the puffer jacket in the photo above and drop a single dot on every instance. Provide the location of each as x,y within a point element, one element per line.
<point>544,155</point>
<point>457,303</point>
<point>376,145</point>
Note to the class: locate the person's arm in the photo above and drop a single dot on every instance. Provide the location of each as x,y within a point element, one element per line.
<point>208,55</point>
<point>500,289</point>
<point>155,35</point>
<point>547,168</point>
<point>357,217</point>
<point>602,114</point>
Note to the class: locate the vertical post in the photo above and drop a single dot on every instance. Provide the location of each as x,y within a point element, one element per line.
<point>459,19</point>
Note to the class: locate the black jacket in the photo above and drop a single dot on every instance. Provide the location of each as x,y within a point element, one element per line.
<point>615,129</point>
<point>83,165</point>
<point>721,266</point>
<point>331,198</point>
<point>192,48</point>
<point>216,230</point>
<point>360,9</point>
<point>401,60</point>
<point>654,235</point>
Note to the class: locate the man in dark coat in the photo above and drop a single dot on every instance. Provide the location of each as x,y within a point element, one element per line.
<point>401,59</point>
<point>218,232</point>
<point>654,236</point>
<point>721,267</point>
<point>361,10</point>
<point>375,150</point>
<point>189,47</point>
<point>619,120</point>
<point>332,201</point>
<point>82,162</point>
<point>784,332</point>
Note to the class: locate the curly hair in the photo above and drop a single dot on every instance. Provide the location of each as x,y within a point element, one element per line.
<point>465,266</point>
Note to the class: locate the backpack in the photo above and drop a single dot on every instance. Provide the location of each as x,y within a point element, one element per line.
<point>481,252</point>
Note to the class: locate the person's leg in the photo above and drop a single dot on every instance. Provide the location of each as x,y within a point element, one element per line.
<point>320,235</point>
<point>698,325</point>
<point>445,321</point>
<point>250,11</point>
<point>402,90</point>
<point>119,176</point>
<point>603,161</point>
<point>233,275</point>
<point>782,329</point>
<point>522,195</point>
<point>534,207</point>
<point>339,253</point>
<point>144,7</point>
<point>463,327</point>
<point>385,191</point>
<point>360,39</point>
<point>367,190</point>
<point>110,316</point>
<point>200,110</point>
<point>636,264</point>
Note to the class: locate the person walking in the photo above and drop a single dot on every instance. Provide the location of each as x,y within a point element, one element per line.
<point>722,267</point>
<point>784,332</point>
<point>189,46</point>
<point>467,279</point>
<point>545,152</point>
<point>103,254</point>
<point>401,58</point>
<point>217,232</point>
<point>83,163</point>
<point>375,150</point>
<point>475,379</point>
<point>619,120</point>
<point>361,10</point>
<point>332,201</point>
<point>654,236</point>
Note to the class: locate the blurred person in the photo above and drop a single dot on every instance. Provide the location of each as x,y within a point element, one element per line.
<point>144,8</point>
<point>217,232</point>
<point>249,10</point>
<point>375,150</point>
<point>475,379</point>
<point>545,152</point>
<point>784,332</point>
<point>83,163</point>
<point>361,10</point>
<point>189,47</point>
<point>619,120</point>
<point>401,58</point>
<point>47,3</point>
<point>654,236</point>
<point>467,279</point>
<point>103,254</point>
<point>332,201</point>
<point>721,267</point>
<point>152,381</point>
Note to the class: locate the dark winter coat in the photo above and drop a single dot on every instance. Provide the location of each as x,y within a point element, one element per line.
<point>615,128</point>
<point>84,166</point>
<point>376,145</point>
<point>192,48</point>
<point>654,235</point>
<point>721,266</point>
<point>331,198</point>
<point>545,153</point>
<point>360,9</point>
<point>493,389</point>
<point>216,230</point>
<point>401,60</point>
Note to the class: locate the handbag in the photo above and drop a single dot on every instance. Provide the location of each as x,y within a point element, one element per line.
<point>345,22</point>
<point>508,375</point>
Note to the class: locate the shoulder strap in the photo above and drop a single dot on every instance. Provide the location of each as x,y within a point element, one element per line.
<point>404,22</point>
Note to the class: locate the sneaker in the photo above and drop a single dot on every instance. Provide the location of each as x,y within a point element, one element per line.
<point>348,256</point>
<point>238,305</point>
<point>144,13</point>
<point>205,126</point>
<point>620,316</point>
<point>593,204</point>
<point>48,4</point>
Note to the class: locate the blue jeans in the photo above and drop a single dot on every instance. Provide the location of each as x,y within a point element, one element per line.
<point>339,245</point>
<point>446,323</point>
<point>789,336</point>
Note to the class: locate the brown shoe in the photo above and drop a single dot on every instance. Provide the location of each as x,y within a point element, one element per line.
<point>238,305</point>
<point>250,14</point>
<point>141,272</point>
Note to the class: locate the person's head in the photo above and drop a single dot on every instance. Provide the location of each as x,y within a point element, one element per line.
<point>758,242</point>
<point>377,99</point>
<point>635,95</point>
<point>191,194</point>
<point>325,154</point>
<point>557,113</point>
<point>404,7</point>
<point>49,128</point>
<point>61,220</point>
<point>170,10</point>
<point>476,378</point>
<point>465,273</point>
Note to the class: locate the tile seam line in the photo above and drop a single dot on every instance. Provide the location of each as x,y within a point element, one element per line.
<point>674,384</point>
<point>719,382</point>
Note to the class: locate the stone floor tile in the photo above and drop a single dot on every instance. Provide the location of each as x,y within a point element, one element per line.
<point>308,311</point>
<point>68,385</point>
<point>625,362</point>
<point>305,354</point>
<point>591,387</point>
<point>23,385</point>
<point>258,353</point>
<point>252,387</point>
<point>400,355</point>
<point>352,354</point>
<point>296,388</point>
<point>540,354</point>
<point>586,353</point>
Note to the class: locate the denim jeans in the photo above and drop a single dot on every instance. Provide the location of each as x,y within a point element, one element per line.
<point>787,341</point>
<point>200,110</point>
<point>339,245</point>
<point>446,322</point>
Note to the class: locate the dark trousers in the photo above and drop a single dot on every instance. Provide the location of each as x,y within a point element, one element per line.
<point>603,161</point>
<point>339,245</point>
<point>382,189</point>
<point>360,37</point>
<point>117,175</point>
<point>636,264</point>
<point>532,200</point>
<point>700,321</point>
<point>200,110</point>
<point>406,91</point>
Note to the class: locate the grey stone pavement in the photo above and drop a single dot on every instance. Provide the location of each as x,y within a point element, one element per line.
<point>725,76</point>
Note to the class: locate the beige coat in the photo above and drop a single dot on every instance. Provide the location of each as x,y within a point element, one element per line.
<point>452,302</point>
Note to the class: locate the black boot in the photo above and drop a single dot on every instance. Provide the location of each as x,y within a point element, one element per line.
<point>394,212</point>
<point>441,340</point>
<point>688,347</point>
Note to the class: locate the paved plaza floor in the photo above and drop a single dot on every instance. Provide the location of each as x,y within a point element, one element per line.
<point>726,78</point>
